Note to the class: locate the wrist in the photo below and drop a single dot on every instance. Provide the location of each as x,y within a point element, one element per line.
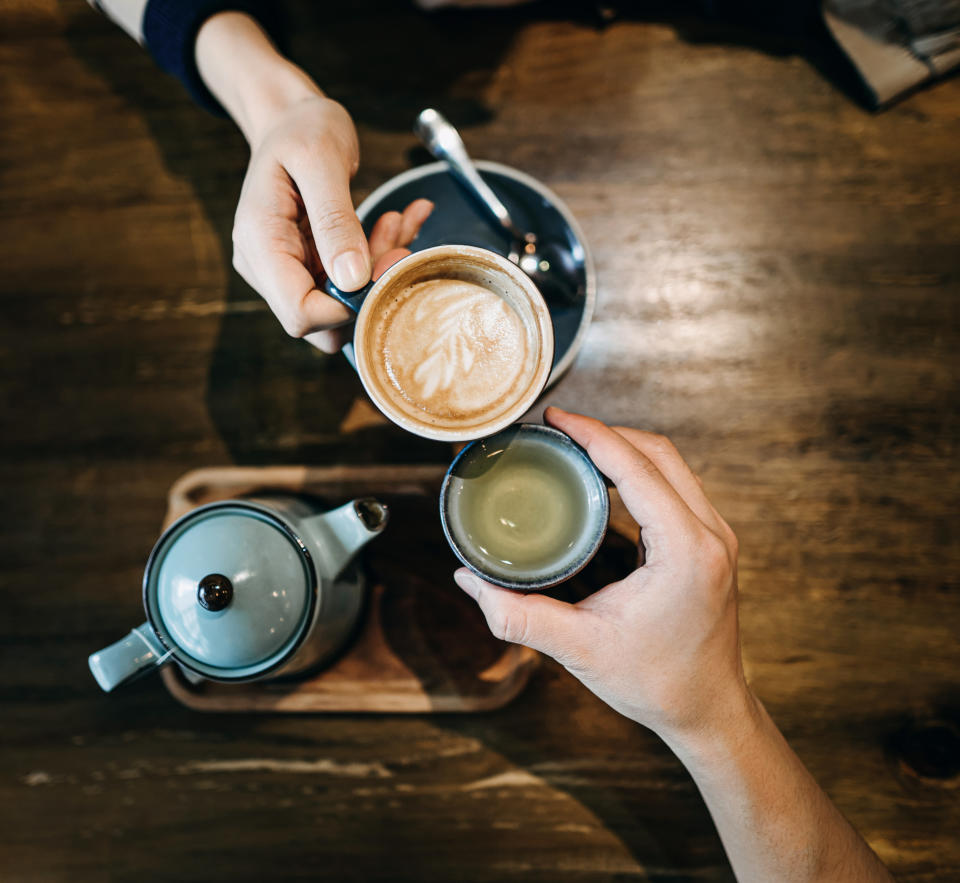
<point>726,732</point>
<point>244,71</point>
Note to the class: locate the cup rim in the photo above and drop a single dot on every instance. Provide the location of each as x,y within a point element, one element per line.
<point>544,327</point>
<point>528,585</point>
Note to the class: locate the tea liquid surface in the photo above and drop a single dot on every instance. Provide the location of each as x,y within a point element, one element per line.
<point>523,507</point>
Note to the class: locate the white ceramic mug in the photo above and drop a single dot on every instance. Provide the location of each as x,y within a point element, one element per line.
<point>478,266</point>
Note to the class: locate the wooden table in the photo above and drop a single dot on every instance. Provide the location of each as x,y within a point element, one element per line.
<point>779,279</point>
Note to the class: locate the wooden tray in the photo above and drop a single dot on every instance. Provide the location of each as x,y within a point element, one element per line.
<point>423,645</point>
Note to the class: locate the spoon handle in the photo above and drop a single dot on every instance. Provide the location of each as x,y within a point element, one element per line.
<point>444,142</point>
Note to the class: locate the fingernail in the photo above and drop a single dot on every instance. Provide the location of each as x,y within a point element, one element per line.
<point>467,581</point>
<point>350,270</point>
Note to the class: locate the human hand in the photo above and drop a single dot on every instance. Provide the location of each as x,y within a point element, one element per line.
<point>661,645</point>
<point>295,223</point>
<point>389,237</point>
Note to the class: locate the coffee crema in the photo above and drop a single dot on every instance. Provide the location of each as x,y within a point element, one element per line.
<point>453,349</point>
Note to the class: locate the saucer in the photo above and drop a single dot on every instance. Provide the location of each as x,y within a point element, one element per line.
<point>456,219</point>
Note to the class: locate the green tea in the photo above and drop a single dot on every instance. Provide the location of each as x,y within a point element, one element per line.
<point>522,507</point>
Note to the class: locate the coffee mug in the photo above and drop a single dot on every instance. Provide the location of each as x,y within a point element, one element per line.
<point>452,342</point>
<point>525,508</point>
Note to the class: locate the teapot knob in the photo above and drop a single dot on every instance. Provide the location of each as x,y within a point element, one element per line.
<point>214,592</point>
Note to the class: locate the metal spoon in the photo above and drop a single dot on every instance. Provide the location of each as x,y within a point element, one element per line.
<point>550,265</point>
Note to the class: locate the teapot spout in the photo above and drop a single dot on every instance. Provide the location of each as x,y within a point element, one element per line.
<point>344,531</point>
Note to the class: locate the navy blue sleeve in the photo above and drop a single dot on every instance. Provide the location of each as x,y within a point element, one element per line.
<point>170,30</point>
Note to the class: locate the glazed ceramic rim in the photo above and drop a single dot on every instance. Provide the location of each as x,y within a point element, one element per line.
<point>557,577</point>
<point>277,659</point>
<point>589,303</point>
<point>542,321</point>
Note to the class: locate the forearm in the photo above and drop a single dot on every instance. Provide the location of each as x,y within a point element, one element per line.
<point>775,822</point>
<point>243,69</point>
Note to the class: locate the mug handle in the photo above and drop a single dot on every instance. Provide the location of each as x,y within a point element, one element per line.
<point>352,300</point>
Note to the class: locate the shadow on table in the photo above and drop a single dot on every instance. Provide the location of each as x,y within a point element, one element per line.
<point>563,737</point>
<point>275,400</point>
<point>790,28</point>
<point>272,399</point>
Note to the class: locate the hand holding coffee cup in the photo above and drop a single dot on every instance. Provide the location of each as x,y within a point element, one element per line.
<point>660,645</point>
<point>388,242</point>
<point>452,342</point>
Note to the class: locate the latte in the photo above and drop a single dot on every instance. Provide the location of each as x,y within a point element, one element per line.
<point>453,349</point>
<point>454,343</point>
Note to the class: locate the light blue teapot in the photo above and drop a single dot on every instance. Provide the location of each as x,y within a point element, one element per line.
<point>242,590</point>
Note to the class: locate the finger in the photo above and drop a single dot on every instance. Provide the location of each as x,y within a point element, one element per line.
<point>648,496</point>
<point>560,630</point>
<point>386,261</point>
<point>664,455</point>
<point>384,235</point>
<point>414,216</point>
<point>324,185</point>
<point>269,254</point>
<point>242,266</point>
<point>289,288</point>
<point>331,341</point>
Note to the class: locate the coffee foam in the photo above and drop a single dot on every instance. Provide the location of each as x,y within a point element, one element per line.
<point>453,350</point>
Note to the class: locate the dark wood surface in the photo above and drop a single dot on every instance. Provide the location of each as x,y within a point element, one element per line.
<point>779,279</point>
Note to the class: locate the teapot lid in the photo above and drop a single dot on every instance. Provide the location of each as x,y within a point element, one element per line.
<point>229,588</point>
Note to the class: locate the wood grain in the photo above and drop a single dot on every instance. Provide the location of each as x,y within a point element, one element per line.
<point>779,280</point>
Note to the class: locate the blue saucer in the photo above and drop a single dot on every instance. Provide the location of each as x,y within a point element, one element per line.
<point>457,220</point>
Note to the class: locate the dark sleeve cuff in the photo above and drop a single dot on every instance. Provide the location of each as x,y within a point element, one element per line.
<point>170,30</point>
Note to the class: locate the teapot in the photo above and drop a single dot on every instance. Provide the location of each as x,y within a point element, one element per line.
<point>248,589</point>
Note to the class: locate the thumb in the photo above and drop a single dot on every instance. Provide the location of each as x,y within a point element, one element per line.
<point>536,621</point>
<point>337,234</point>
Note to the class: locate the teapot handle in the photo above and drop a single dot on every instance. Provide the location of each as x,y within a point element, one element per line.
<point>128,658</point>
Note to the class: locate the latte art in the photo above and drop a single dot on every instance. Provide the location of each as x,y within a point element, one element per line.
<point>454,349</point>
<point>469,324</point>
<point>453,343</point>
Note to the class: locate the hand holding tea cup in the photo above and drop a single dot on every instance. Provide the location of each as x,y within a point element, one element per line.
<point>660,646</point>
